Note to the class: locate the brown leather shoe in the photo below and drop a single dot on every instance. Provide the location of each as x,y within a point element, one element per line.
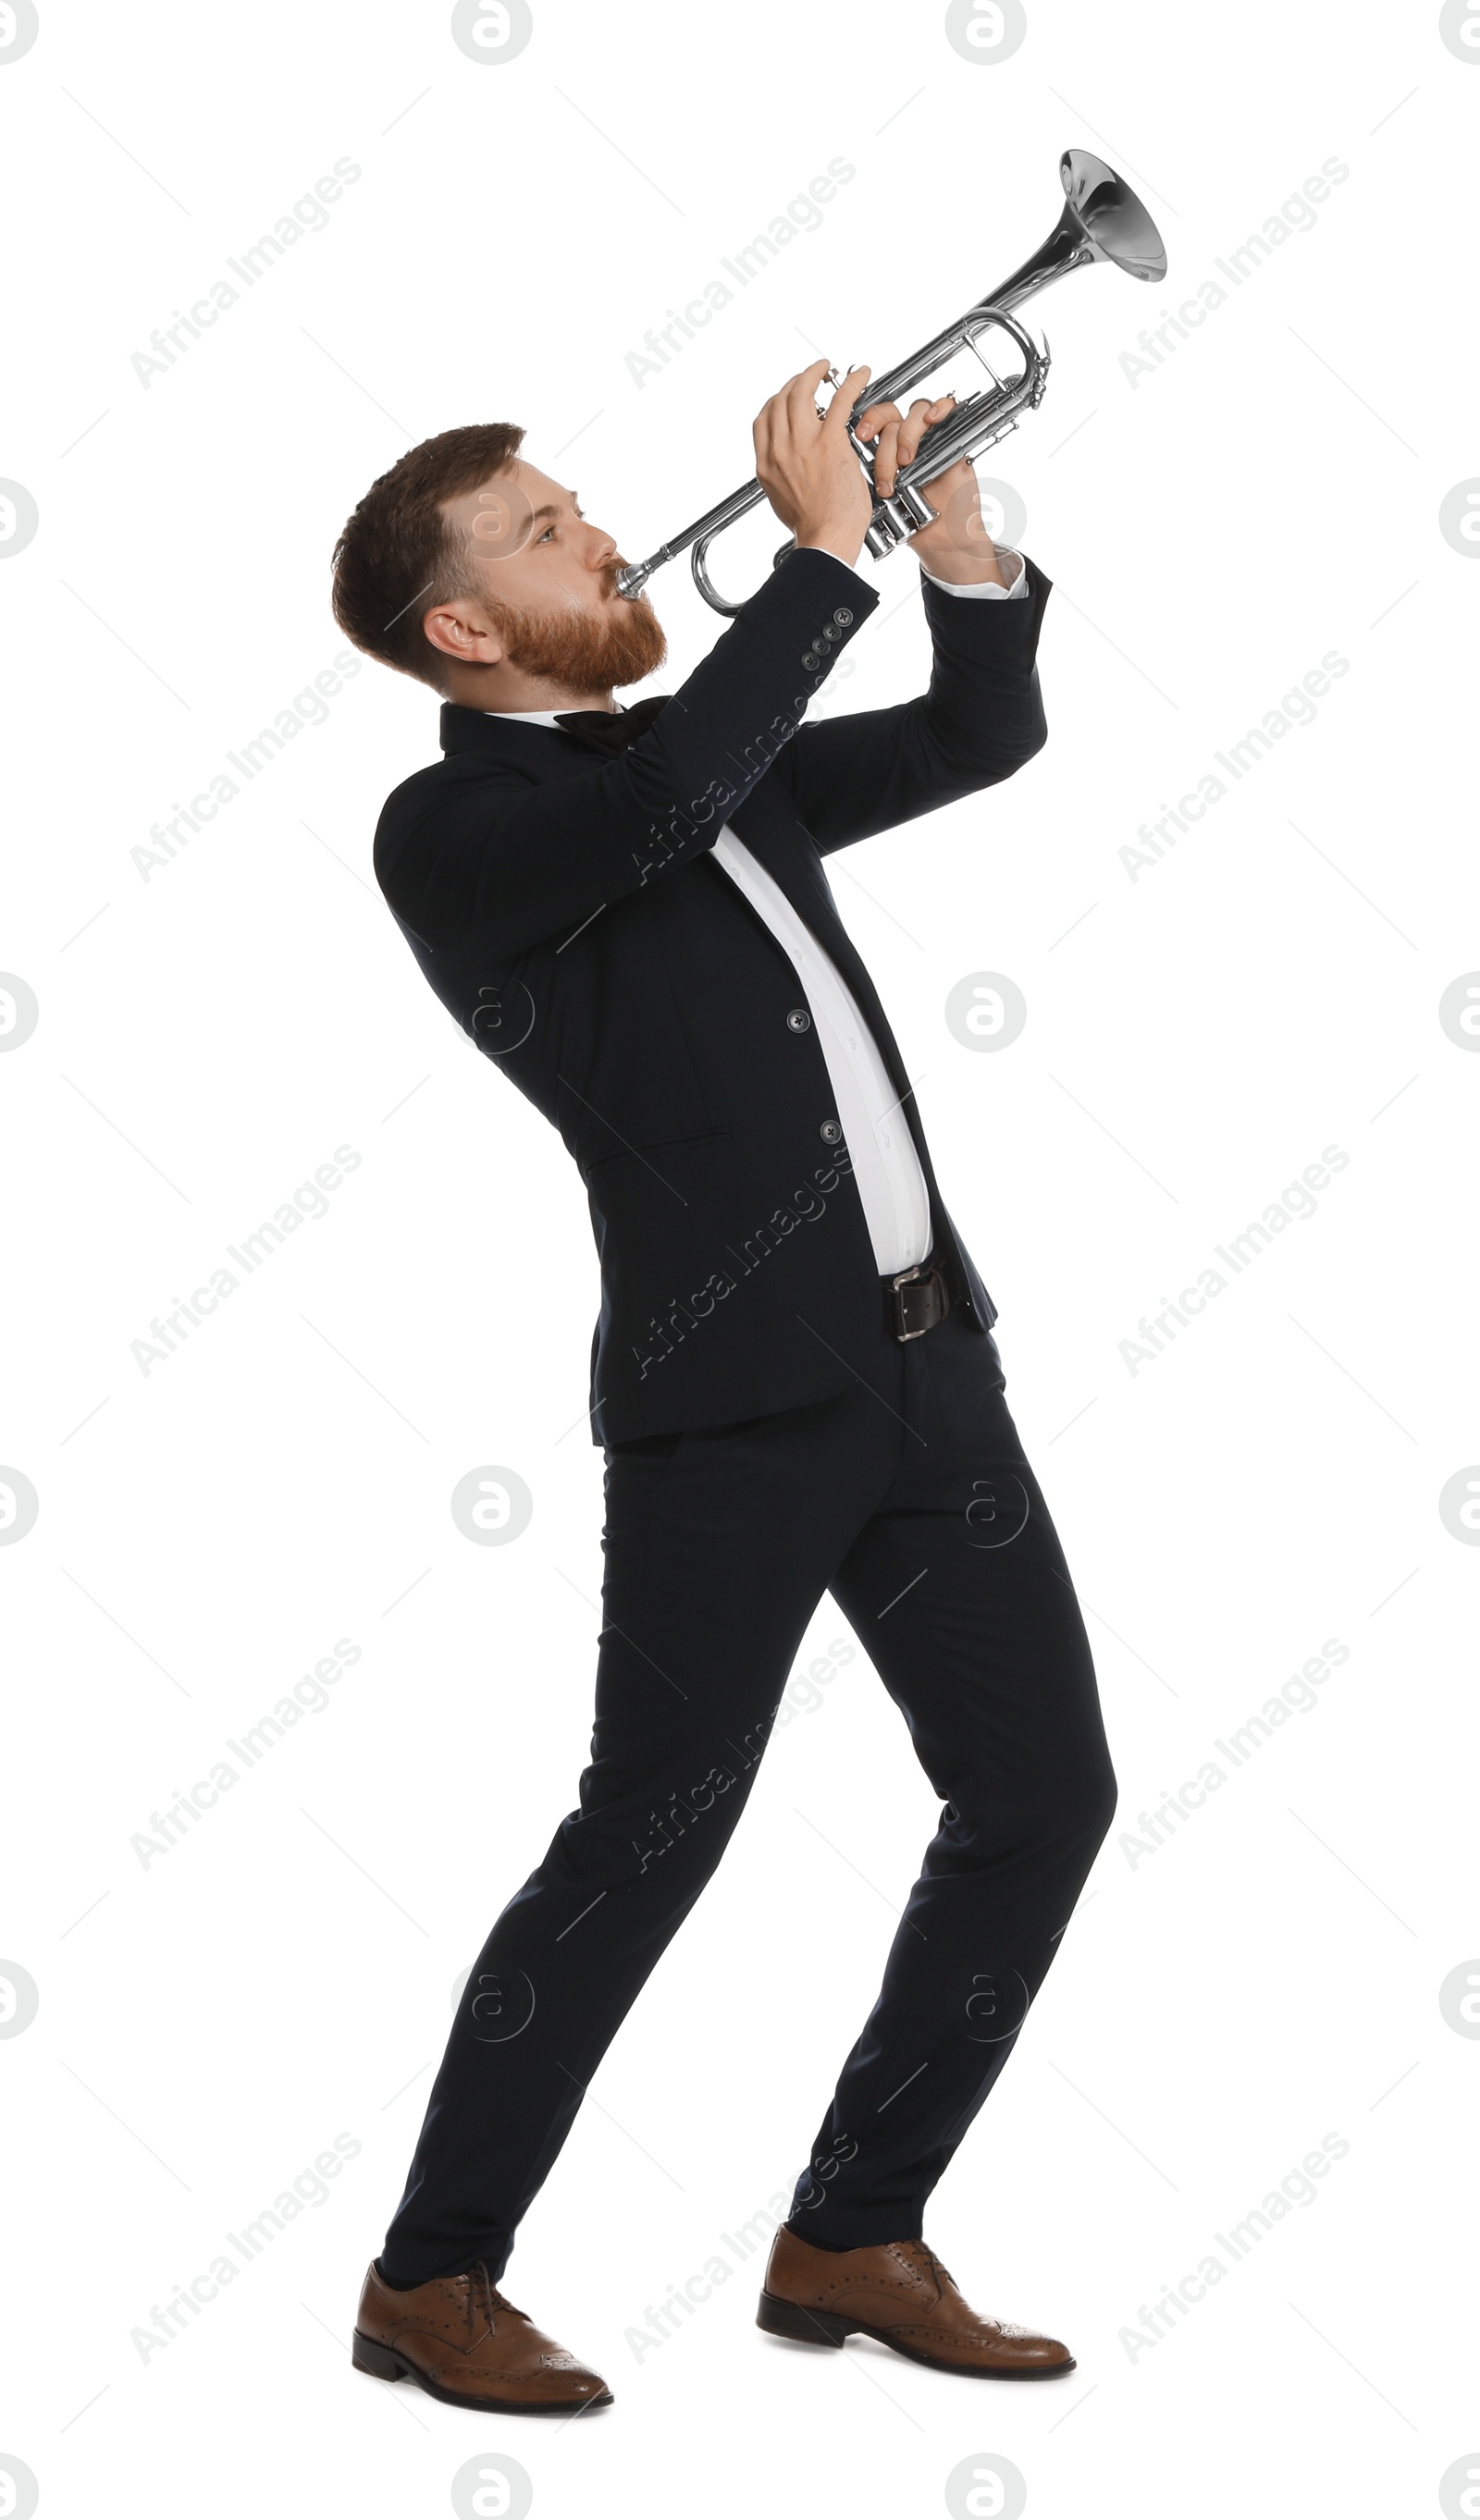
<point>461,2341</point>
<point>901,2295</point>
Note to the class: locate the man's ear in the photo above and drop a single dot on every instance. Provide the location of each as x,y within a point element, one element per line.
<point>462,630</point>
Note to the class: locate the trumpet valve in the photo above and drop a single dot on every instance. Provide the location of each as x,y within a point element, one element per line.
<point>895,519</point>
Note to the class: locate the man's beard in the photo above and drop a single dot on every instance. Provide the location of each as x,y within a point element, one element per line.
<point>583,650</point>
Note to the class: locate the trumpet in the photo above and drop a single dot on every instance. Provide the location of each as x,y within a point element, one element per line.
<point>1101,221</point>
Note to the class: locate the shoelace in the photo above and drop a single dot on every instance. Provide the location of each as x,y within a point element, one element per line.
<point>944,2277</point>
<point>925,2250</point>
<point>493,2299</point>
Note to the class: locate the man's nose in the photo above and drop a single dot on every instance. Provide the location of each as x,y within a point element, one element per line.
<point>603,549</point>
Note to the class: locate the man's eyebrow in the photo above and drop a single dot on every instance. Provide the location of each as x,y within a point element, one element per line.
<point>548,510</point>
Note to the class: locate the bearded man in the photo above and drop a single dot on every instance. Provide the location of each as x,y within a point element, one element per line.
<point>793,1377</point>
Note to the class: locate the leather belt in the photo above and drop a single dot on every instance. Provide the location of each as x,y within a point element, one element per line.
<point>914,1301</point>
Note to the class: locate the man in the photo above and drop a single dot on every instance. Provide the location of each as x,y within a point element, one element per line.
<point>792,1376</point>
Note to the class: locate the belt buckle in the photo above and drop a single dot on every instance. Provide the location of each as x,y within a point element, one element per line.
<point>922,1272</point>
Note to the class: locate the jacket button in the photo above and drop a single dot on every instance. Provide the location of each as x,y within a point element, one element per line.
<point>830,1132</point>
<point>799,1019</point>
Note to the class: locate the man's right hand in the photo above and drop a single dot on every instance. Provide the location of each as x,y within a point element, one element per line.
<point>806,467</point>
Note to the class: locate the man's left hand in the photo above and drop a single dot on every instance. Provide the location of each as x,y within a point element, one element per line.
<point>958,546</point>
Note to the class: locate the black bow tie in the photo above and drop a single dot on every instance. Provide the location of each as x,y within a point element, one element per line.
<point>611,730</point>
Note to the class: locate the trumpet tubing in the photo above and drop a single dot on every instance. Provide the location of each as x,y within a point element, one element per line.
<point>1101,221</point>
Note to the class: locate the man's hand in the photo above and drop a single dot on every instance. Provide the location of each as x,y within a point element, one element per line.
<point>806,467</point>
<point>958,546</point>
<point>818,488</point>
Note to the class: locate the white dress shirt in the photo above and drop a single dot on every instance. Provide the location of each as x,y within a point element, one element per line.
<point>875,1132</point>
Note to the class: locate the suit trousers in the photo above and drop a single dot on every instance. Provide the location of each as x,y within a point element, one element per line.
<point>909,1497</point>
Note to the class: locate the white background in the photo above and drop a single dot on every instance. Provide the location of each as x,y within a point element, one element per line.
<point>210,1035</point>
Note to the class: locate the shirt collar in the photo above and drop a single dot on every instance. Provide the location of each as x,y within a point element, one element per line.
<point>470,730</point>
<point>539,717</point>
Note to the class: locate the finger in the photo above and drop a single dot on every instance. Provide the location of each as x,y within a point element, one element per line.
<point>835,416</point>
<point>763,431</point>
<point>879,412</point>
<point>796,412</point>
<point>886,458</point>
<point>800,396</point>
<point>904,441</point>
<point>922,416</point>
<point>774,412</point>
<point>783,408</point>
<point>773,417</point>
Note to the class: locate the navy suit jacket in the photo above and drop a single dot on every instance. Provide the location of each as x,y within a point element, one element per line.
<point>567,909</point>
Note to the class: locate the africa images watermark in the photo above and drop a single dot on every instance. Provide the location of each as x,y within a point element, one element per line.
<point>667,2317</point>
<point>686,1809</point>
<point>307,1697</point>
<point>1295,215</point>
<point>665,1828</point>
<point>802,1694</point>
<point>310,707</point>
<point>309,214</point>
<point>1297,707</point>
<point>309,2189</point>
<point>679,825</point>
<point>802,213</point>
<point>1296,2188</point>
<point>310,1200</point>
<point>1297,1695</point>
<point>807,1206</point>
<point>1297,1200</point>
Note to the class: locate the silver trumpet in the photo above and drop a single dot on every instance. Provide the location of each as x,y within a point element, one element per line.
<point>1101,221</point>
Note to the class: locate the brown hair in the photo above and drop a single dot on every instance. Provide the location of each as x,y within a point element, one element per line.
<point>396,555</point>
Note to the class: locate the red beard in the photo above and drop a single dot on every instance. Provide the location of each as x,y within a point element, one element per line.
<point>585,652</point>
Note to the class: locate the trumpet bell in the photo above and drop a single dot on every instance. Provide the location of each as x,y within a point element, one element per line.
<point>1101,221</point>
<point>1120,227</point>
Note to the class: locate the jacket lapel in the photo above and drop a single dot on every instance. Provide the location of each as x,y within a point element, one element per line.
<point>770,828</point>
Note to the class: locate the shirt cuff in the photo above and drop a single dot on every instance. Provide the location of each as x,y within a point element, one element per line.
<point>1013,569</point>
<point>1016,577</point>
